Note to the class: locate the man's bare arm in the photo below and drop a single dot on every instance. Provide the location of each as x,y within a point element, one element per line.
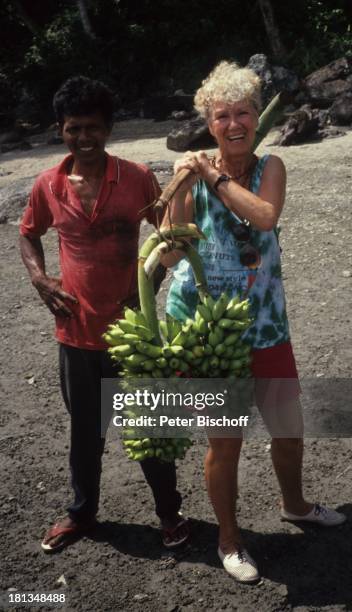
<point>49,289</point>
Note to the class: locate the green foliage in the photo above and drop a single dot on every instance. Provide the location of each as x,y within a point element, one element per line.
<point>327,35</point>
<point>144,46</point>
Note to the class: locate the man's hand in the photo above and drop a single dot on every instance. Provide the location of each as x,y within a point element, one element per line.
<point>53,296</point>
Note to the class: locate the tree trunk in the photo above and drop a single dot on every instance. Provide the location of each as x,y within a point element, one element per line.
<point>27,20</point>
<point>277,46</point>
<point>87,26</point>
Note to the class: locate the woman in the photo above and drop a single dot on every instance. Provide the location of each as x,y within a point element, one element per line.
<point>236,200</point>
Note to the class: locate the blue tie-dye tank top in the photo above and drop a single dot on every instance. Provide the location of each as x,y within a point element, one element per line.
<point>224,272</point>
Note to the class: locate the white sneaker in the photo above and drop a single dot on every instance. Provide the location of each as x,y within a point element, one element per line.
<point>240,565</point>
<point>321,515</point>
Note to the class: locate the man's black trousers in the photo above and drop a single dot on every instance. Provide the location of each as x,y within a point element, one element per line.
<point>81,371</point>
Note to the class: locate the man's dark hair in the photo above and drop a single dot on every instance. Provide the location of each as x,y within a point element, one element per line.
<point>80,95</point>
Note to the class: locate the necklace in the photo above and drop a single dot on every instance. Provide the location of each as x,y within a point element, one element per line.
<point>216,163</point>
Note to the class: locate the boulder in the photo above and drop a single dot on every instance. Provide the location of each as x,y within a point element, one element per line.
<point>341,110</point>
<point>191,135</point>
<point>274,78</point>
<point>306,124</point>
<point>303,124</point>
<point>14,135</point>
<point>329,82</point>
<point>13,199</point>
<point>23,145</point>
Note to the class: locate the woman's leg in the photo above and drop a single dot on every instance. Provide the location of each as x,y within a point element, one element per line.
<point>221,463</point>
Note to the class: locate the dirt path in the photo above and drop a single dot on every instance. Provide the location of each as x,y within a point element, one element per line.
<point>122,565</point>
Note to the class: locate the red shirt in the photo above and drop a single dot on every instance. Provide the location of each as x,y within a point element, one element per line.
<point>98,253</point>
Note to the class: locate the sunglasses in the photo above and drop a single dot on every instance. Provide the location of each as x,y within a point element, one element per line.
<point>249,255</point>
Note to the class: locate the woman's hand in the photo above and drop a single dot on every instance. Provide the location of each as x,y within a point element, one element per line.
<point>200,166</point>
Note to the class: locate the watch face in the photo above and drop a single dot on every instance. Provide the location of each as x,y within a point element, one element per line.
<point>221,179</point>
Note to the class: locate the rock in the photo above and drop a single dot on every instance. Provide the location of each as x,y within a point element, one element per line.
<point>324,85</point>
<point>13,199</point>
<point>341,110</point>
<point>23,145</point>
<point>183,115</point>
<point>12,136</point>
<point>347,273</point>
<point>191,135</point>
<point>330,132</point>
<point>61,581</point>
<point>303,124</point>
<point>140,597</point>
<point>4,172</point>
<point>274,78</point>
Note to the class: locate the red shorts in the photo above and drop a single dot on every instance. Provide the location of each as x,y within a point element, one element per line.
<point>274,362</point>
<point>276,377</point>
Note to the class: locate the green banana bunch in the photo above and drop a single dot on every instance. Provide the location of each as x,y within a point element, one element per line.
<point>209,345</point>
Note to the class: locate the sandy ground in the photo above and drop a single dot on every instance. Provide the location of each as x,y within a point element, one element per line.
<point>122,565</point>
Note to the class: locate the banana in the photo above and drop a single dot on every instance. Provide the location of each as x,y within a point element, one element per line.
<point>188,356</point>
<point>157,373</point>
<point>166,351</point>
<point>130,328</point>
<point>183,366</point>
<point>216,336</point>
<point>241,325</point>
<point>238,311</point>
<point>164,330</point>
<point>131,338</point>
<point>231,339</point>
<point>134,361</point>
<point>228,353</point>
<point>235,364</point>
<point>161,362</point>
<point>173,363</point>
<point>235,300</point>
<point>123,350</point>
<point>173,325</point>
<point>224,364</point>
<point>148,365</point>
<point>177,350</point>
<point>149,349</point>
<point>198,351</point>
<point>225,323</point>
<point>205,312</point>
<point>208,301</point>
<point>208,349</point>
<point>220,306</point>
<point>179,338</point>
<point>200,324</point>
<point>191,340</point>
<point>112,341</point>
<point>213,339</point>
<point>220,349</point>
<point>214,361</point>
<point>204,367</point>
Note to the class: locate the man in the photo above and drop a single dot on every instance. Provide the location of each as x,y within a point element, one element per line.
<point>94,202</point>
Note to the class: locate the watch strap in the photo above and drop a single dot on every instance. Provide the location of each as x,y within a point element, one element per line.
<point>223,178</point>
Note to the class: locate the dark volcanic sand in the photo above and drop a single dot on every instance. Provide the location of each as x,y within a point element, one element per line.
<point>122,565</point>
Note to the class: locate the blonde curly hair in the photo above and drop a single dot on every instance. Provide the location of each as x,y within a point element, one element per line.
<point>228,83</point>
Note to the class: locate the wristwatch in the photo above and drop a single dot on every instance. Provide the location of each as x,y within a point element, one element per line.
<point>223,178</point>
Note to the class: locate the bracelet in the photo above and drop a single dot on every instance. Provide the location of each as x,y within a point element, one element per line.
<point>223,178</point>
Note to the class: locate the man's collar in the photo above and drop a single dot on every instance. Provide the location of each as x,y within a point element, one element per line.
<point>58,184</point>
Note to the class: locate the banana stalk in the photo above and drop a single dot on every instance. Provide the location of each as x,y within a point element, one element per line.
<point>145,285</point>
<point>153,260</point>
